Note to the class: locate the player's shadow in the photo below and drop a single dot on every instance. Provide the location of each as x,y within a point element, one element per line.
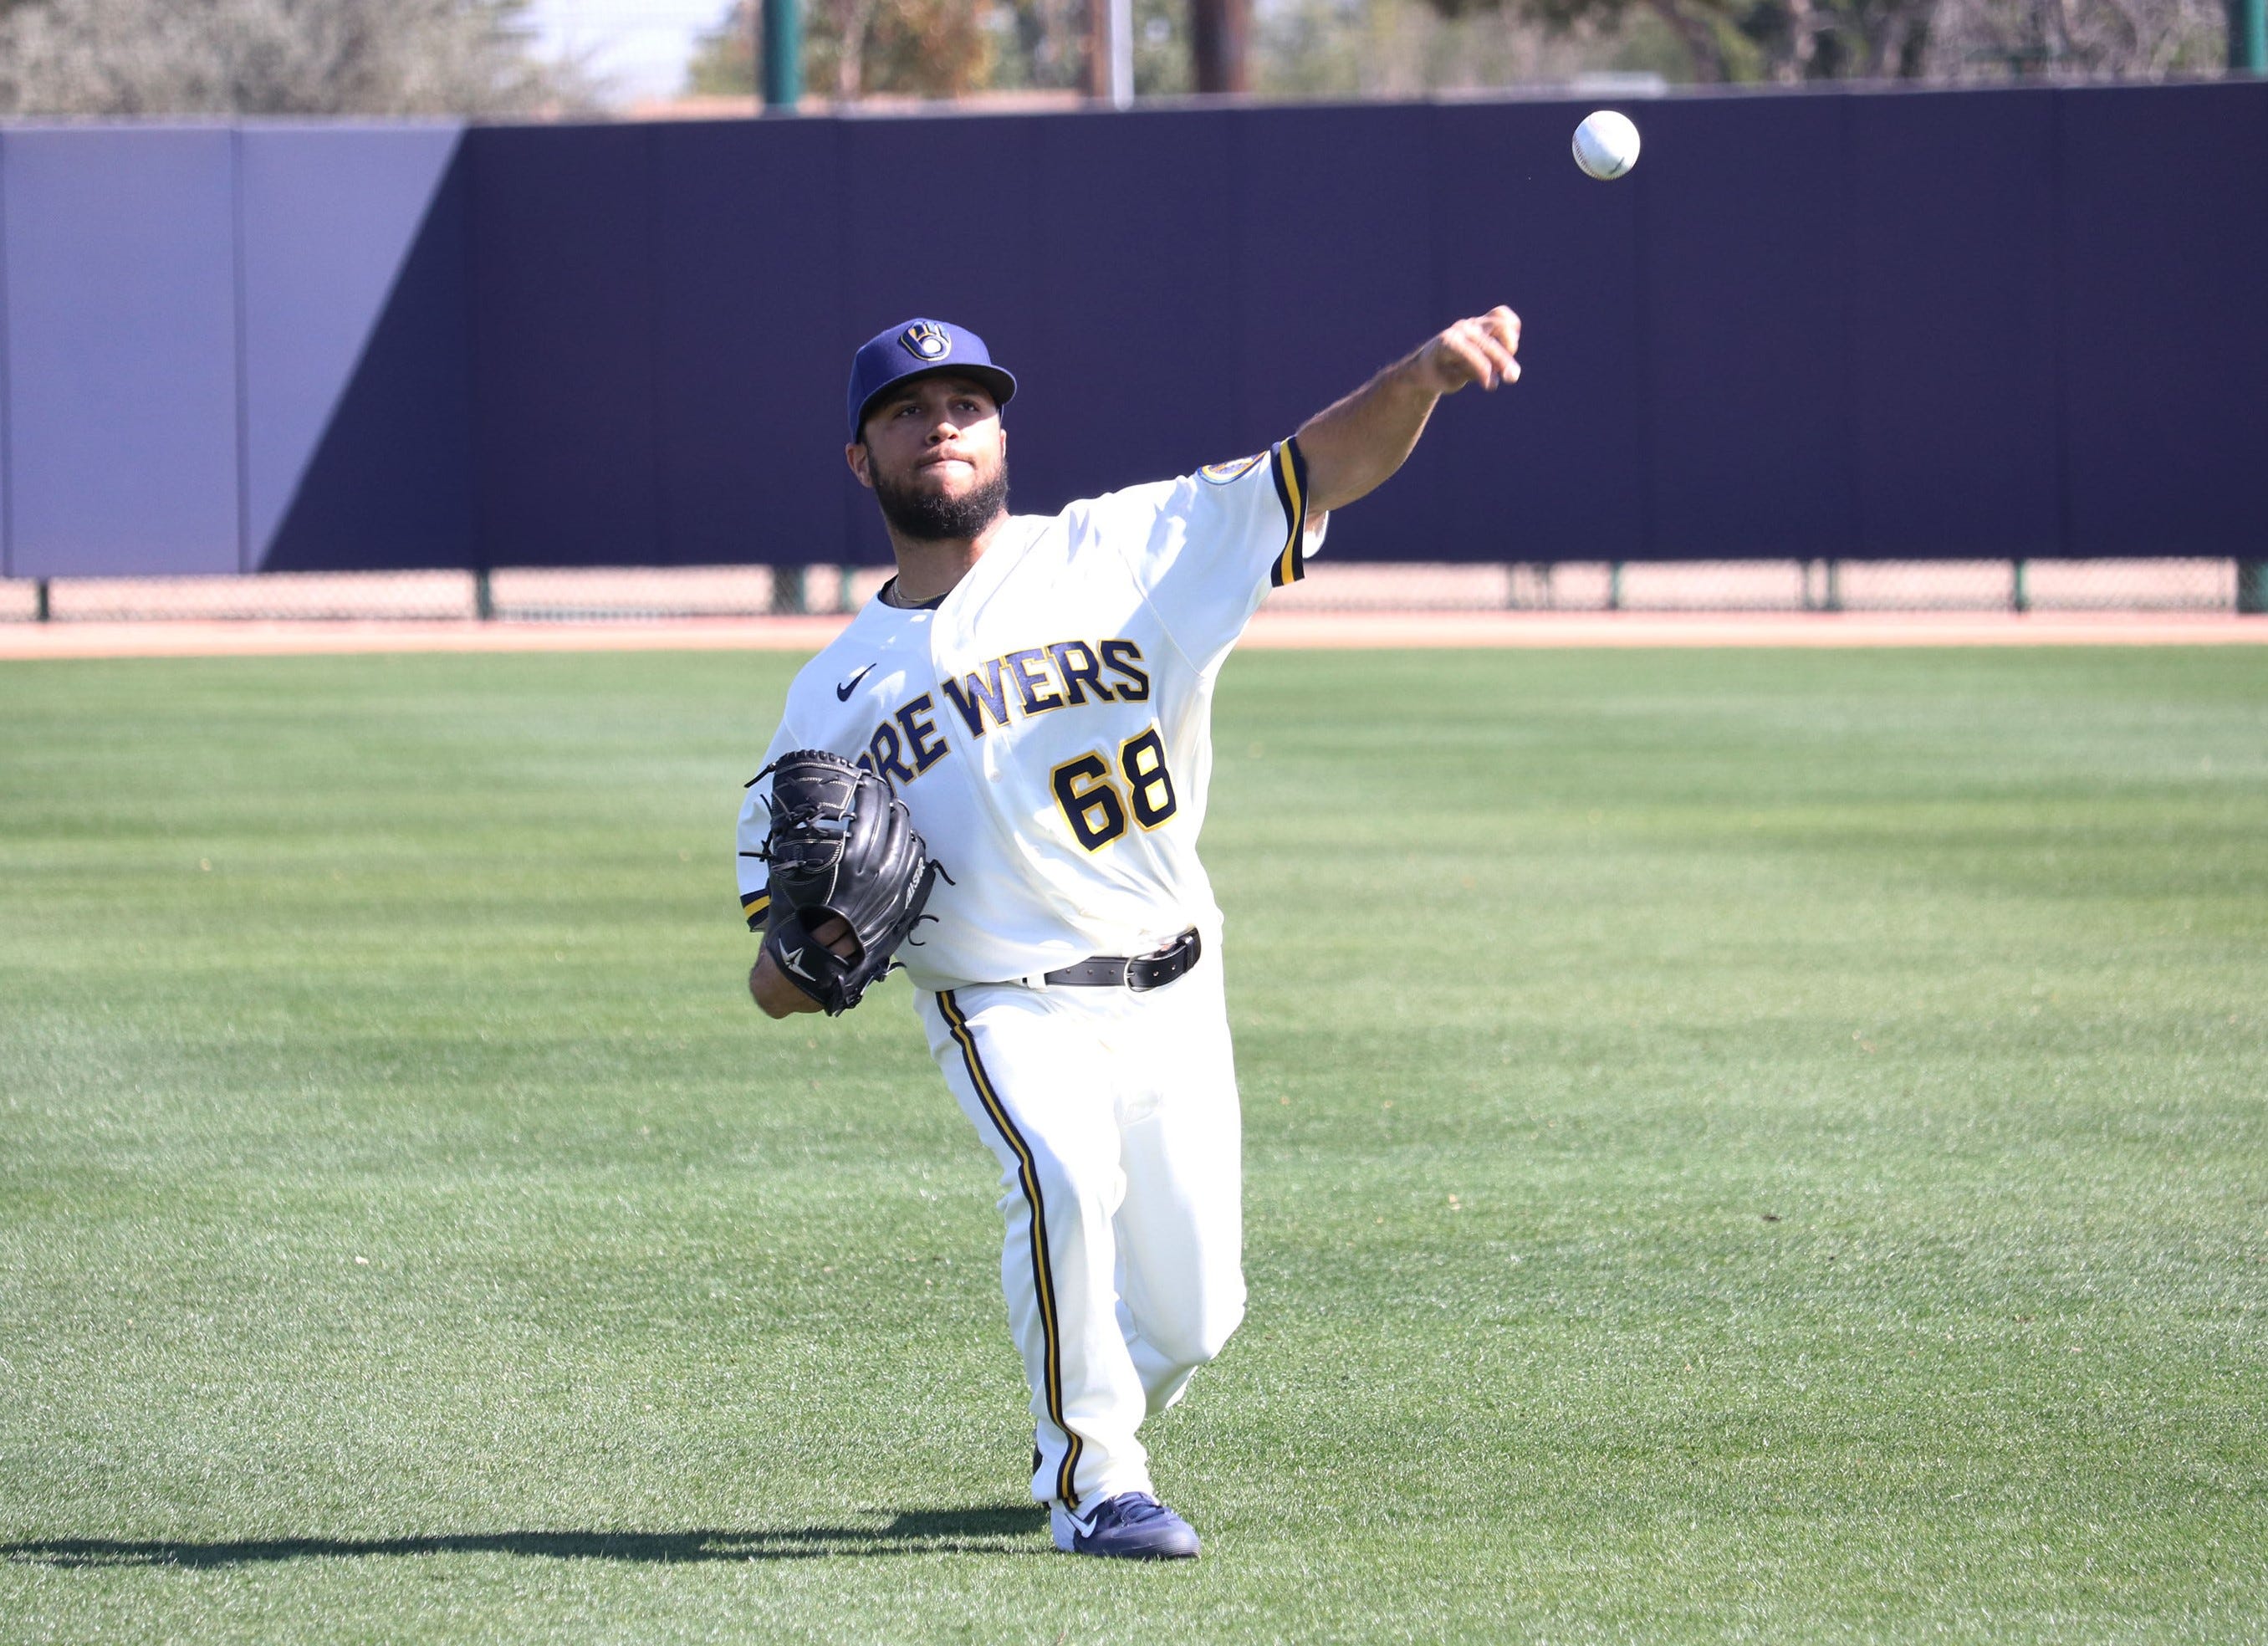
<point>988,1530</point>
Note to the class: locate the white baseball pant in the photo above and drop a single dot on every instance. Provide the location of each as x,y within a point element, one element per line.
<point>1114,1116</point>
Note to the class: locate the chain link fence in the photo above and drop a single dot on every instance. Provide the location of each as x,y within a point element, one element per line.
<point>545,594</point>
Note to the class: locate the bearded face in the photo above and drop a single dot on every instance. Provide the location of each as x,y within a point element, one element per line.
<point>934,454</point>
<point>918,507</point>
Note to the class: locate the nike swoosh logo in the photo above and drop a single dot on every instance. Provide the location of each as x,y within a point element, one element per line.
<point>842,692</point>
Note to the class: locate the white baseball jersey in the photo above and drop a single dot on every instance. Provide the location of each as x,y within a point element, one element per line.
<point>1048,722</point>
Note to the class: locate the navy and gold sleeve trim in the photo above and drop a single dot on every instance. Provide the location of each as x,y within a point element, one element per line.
<point>1289,466</point>
<point>756,906</point>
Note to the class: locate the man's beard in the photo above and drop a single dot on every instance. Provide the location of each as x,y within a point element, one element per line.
<point>927,518</point>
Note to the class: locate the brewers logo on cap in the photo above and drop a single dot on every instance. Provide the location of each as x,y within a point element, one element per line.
<point>926,341</point>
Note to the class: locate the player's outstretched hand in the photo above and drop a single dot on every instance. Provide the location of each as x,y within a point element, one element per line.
<point>1482,350</point>
<point>1354,444</point>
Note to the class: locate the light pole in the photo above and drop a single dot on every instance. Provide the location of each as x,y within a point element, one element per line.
<point>2248,36</point>
<point>782,53</point>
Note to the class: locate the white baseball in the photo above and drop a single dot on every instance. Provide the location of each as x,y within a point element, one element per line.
<point>1606,144</point>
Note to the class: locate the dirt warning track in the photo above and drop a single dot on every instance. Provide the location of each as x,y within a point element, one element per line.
<point>1286,631</point>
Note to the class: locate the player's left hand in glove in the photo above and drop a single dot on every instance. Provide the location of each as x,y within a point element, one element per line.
<point>841,845</point>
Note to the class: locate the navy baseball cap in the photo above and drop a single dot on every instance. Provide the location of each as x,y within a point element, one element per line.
<point>916,349</point>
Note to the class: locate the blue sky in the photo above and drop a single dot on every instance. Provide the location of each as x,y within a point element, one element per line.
<point>640,46</point>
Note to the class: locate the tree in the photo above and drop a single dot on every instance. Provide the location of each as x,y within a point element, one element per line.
<point>1775,40</point>
<point>724,62</point>
<point>1401,48</point>
<point>851,47</point>
<point>1698,24</point>
<point>468,57</point>
<point>946,47</point>
<point>2077,40</point>
<point>1875,39</point>
<point>1220,36</point>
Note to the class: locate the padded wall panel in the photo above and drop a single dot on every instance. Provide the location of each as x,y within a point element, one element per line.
<point>1337,252</point>
<point>1953,281</point>
<point>1746,203</point>
<point>121,351</point>
<point>945,217</point>
<point>357,372</point>
<point>747,338</point>
<point>2164,242</point>
<point>1546,470</point>
<point>563,306</point>
<point>1132,341</point>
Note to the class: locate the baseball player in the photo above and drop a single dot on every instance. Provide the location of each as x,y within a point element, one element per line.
<point>1037,693</point>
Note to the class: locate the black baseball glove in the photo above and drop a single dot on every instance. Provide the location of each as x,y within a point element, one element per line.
<point>841,845</point>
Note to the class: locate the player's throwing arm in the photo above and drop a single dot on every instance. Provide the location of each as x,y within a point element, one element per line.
<point>1354,446</point>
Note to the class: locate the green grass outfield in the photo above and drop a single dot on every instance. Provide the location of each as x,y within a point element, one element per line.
<point>1743,1145</point>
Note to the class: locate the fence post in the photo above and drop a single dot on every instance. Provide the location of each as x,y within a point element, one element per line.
<point>1614,586</point>
<point>2248,36</point>
<point>1834,598</point>
<point>483,596</point>
<point>780,23</point>
<point>787,591</point>
<point>41,610</point>
<point>2020,590</point>
<point>2252,587</point>
<point>843,603</point>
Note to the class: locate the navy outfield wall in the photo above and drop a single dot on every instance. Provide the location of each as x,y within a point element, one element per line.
<point>223,345</point>
<point>1894,324</point>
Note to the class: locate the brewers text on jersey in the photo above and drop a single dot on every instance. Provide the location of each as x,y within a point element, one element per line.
<point>1061,674</point>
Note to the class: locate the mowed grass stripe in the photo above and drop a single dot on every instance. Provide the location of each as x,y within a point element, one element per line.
<point>1740,1145</point>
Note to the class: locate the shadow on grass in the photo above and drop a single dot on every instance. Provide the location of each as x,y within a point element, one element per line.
<point>991,1531</point>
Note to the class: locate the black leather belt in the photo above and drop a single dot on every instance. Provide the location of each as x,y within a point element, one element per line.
<point>1137,973</point>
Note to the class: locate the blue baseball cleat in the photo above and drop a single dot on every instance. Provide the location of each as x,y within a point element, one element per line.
<point>1131,1526</point>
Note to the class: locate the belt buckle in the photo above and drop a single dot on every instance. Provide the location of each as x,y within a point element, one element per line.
<point>1164,955</point>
